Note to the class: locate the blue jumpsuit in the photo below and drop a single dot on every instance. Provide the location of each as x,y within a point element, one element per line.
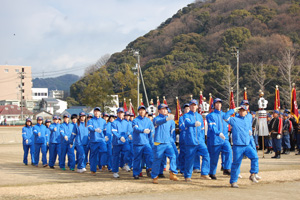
<point>141,145</point>
<point>108,158</point>
<point>39,143</point>
<point>217,125</point>
<point>80,133</point>
<point>181,157</point>
<point>129,154</point>
<point>195,144</point>
<point>67,147</point>
<point>162,145</point>
<point>27,134</point>
<point>241,140</point>
<point>54,146</point>
<point>97,141</point>
<point>119,129</point>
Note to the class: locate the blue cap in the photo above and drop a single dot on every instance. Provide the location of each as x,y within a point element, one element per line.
<point>126,113</point>
<point>59,118</point>
<point>115,116</point>
<point>186,105</point>
<point>105,114</point>
<point>39,118</point>
<point>90,115</point>
<point>97,108</point>
<point>120,110</point>
<point>269,115</point>
<point>243,107</point>
<point>55,117</point>
<point>276,111</point>
<point>169,110</point>
<point>285,114</point>
<point>82,114</point>
<point>66,115</point>
<point>141,107</point>
<point>162,106</point>
<point>193,101</point>
<point>244,102</point>
<point>217,100</point>
<point>47,121</point>
<point>131,115</point>
<point>253,113</point>
<point>74,116</point>
<point>287,111</point>
<point>28,120</point>
<point>281,113</point>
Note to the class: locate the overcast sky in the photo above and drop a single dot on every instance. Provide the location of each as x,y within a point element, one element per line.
<point>64,36</point>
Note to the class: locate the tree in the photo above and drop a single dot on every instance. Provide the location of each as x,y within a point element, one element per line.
<point>99,90</point>
<point>101,62</point>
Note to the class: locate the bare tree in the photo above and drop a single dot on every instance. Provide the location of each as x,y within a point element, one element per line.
<point>92,68</point>
<point>226,83</point>
<point>288,71</point>
<point>260,77</point>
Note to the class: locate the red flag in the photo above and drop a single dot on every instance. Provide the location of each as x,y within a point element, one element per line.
<point>131,110</point>
<point>142,104</point>
<point>200,106</point>
<point>178,113</point>
<point>210,102</point>
<point>294,106</point>
<point>245,94</point>
<point>277,99</point>
<point>232,105</point>
<point>124,105</point>
<point>165,101</point>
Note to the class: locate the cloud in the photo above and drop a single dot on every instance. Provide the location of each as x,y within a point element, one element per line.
<point>57,35</point>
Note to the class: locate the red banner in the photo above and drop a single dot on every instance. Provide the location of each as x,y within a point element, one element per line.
<point>165,101</point>
<point>124,105</point>
<point>131,110</point>
<point>294,106</point>
<point>277,99</point>
<point>232,104</point>
<point>178,113</point>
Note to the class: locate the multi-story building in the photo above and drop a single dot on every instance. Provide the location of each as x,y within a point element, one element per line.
<point>39,93</point>
<point>15,82</point>
<point>57,94</point>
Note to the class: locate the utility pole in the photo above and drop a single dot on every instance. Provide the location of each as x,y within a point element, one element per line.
<point>136,53</point>
<point>21,91</point>
<point>236,54</point>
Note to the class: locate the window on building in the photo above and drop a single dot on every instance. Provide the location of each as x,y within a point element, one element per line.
<point>6,70</point>
<point>23,84</point>
<point>35,94</point>
<point>39,94</point>
<point>23,97</point>
<point>17,70</point>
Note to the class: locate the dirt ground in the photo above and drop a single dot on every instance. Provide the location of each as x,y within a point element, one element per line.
<point>280,180</point>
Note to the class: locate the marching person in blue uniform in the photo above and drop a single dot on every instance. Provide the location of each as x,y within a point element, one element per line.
<point>80,134</point>
<point>287,130</point>
<point>162,144</point>
<point>182,130</point>
<point>120,142</point>
<point>39,131</point>
<point>130,130</point>
<point>241,139</point>
<point>109,143</point>
<point>218,140</point>
<point>173,138</point>
<point>142,127</point>
<point>195,142</point>
<point>67,147</point>
<point>47,142</point>
<point>275,128</point>
<point>96,125</point>
<point>55,139</point>
<point>28,141</point>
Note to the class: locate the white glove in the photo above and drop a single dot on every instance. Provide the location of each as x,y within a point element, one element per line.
<point>39,134</point>
<point>147,130</point>
<point>130,137</point>
<point>170,117</point>
<point>236,109</point>
<point>222,136</point>
<point>106,139</point>
<point>122,139</point>
<point>66,138</point>
<point>278,136</point>
<point>250,132</point>
<point>26,141</point>
<point>98,130</point>
<point>54,129</point>
<point>197,123</point>
<point>47,143</point>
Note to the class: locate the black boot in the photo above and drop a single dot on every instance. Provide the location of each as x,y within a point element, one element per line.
<point>284,151</point>
<point>287,151</point>
<point>275,155</point>
<point>278,154</point>
<point>269,151</point>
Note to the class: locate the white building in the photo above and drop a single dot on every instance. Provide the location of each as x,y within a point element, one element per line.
<point>57,94</point>
<point>39,93</point>
<point>53,106</point>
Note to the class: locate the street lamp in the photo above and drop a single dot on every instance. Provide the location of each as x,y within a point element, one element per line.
<point>236,53</point>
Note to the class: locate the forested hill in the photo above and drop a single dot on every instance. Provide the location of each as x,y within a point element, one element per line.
<point>192,51</point>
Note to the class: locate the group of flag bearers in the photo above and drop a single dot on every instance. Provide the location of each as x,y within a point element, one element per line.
<point>134,143</point>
